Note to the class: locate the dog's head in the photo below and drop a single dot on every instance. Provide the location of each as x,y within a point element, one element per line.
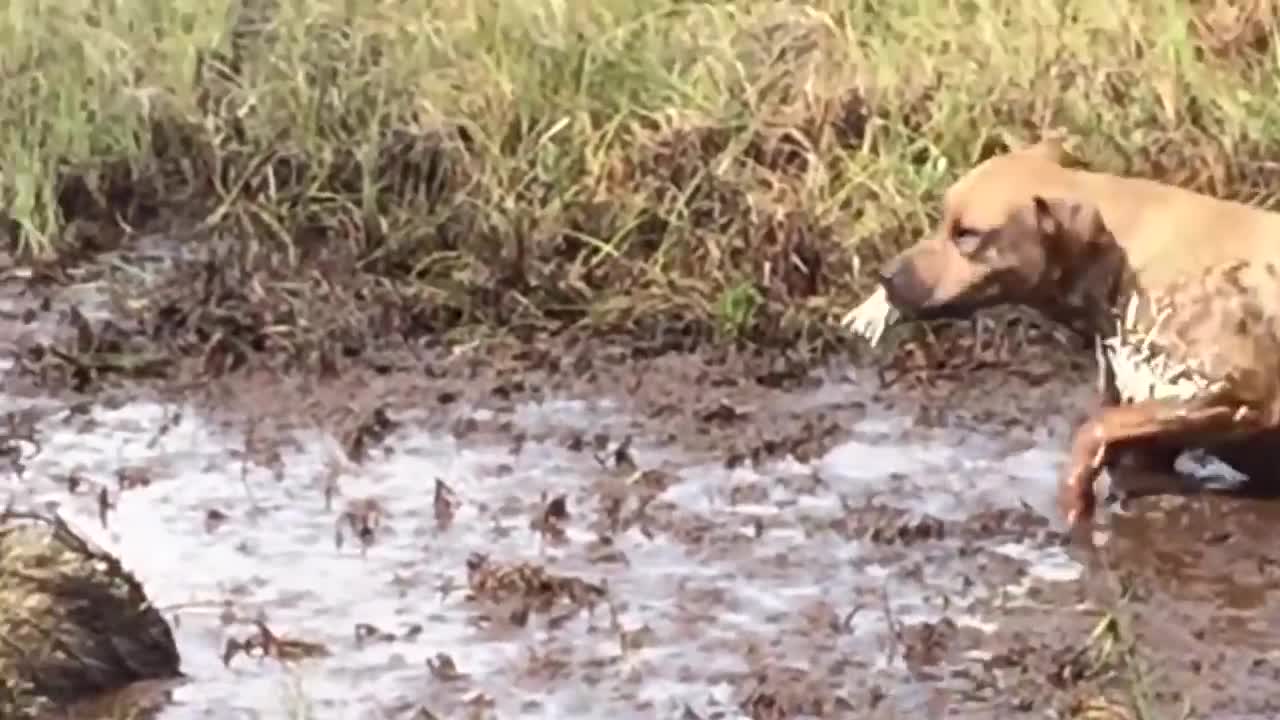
<point>1011,233</point>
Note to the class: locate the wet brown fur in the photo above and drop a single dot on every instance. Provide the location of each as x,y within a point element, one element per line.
<point>1078,245</point>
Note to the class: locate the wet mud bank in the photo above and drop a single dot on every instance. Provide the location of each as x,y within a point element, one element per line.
<point>574,529</point>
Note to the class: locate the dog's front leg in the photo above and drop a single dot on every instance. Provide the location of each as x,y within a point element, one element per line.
<point>1171,422</point>
<point>1138,469</point>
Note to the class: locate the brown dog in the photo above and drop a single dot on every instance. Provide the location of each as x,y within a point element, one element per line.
<point>1180,287</point>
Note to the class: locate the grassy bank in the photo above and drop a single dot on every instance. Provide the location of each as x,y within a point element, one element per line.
<point>727,168</point>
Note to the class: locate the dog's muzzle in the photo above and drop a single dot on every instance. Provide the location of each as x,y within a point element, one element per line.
<point>899,289</point>
<point>904,287</point>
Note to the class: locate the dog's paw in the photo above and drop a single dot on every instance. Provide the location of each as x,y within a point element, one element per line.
<point>1077,499</point>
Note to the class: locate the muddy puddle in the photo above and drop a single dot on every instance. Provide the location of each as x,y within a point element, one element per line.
<point>705,580</point>
<point>586,551</point>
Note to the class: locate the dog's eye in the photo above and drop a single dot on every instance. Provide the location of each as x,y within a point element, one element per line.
<point>967,240</point>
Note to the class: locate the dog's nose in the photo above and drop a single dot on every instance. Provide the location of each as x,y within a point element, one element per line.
<point>887,273</point>
<point>902,285</point>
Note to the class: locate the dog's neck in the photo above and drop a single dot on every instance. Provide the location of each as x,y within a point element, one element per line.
<point>1088,304</point>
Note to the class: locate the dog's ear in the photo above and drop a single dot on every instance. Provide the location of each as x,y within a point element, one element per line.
<point>1051,148</point>
<point>1047,222</point>
<point>1078,223</point>
<point>1084,254</point>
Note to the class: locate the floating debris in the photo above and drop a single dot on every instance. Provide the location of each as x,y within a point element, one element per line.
<point>363,517</point>
<point>266,644</point>
<point>370,433</point>
<point>551,518</point>
<point>530,588</point>
<point>444,504</point>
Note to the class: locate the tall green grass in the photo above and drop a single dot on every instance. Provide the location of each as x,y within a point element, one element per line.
<point>614,162</point>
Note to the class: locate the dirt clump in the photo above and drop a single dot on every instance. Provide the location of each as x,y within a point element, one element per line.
<point>266,643</point>
<point>777,693</point>
<point>78,623</point>
<point>525,588</point>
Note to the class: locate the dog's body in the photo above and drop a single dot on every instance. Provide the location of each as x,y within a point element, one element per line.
<point>1193,279</point>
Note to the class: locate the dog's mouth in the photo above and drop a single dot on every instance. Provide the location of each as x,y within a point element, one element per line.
<point>873,318</point>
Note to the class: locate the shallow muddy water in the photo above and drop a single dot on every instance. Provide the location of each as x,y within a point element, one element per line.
<point>519,565</point>
<point>731,572</point>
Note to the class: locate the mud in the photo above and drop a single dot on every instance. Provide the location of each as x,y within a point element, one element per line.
<point>579,527</point>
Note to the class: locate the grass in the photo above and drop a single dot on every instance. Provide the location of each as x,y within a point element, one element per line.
<point>1134,689</point>
<point>730,170</point>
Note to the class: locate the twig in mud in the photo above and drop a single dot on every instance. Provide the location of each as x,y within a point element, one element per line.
<point>250,433</point>
<point>895,629</point>
<point>331,488</point>
<point>368,632</point>
<point>443,504</point>
<point>364,518</point>
<point>17,434</point>
<point>105,506</point>
<point>444,669</point>
<point>171,420</point>
<point>622,457</point>
<point>128,478</point>
<point>213,518</point>
<point>369,433</point>
<point>218,605</point>
<point>844,625</point>
<point>267,644</point>
<point>75,481</point>
<point>446,587</point>
<point>630,641</point>
<point>549,521</point>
